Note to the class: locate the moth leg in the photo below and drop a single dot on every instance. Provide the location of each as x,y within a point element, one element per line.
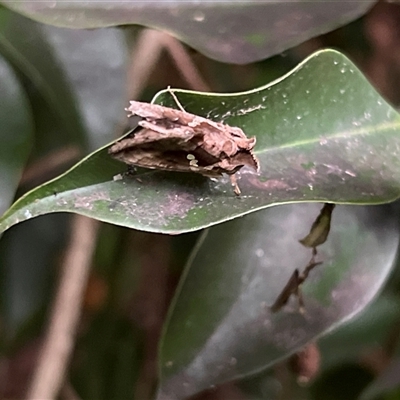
<point>131,170</point>
<point>176,99</point>
<point>236,188</point>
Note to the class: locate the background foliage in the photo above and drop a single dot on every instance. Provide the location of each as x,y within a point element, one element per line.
<point>327,130</point>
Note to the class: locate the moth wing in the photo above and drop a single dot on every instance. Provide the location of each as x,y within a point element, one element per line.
<point>145,110</point>
<point>168,161</point>
<point>241,159</point>
<point>156,112</point>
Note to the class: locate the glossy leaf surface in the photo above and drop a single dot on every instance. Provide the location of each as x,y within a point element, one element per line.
<point>236,31</point>
<point>323,134</point>
<point>24,44</point>
<point>95,63</point>
<point>220,326</point>
<point>16,126</point>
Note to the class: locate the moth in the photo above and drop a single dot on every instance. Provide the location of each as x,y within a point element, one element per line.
<point>175,140</point>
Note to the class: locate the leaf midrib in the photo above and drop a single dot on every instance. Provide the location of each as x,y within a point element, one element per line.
<point>340,135</point>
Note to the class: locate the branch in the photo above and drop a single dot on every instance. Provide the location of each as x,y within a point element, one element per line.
<point>59,341</point>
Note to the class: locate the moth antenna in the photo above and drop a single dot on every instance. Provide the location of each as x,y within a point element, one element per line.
<point>175,99</point>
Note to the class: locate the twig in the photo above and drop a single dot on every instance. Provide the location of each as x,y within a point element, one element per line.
<point>184,64</point>
<point>67,392</point>
<point>59,341</point>
<point>149,306</point>
<point>146,52</point>
<point>49,164</point>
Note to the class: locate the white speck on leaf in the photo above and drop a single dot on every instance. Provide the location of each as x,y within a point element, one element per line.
<point>199,16</point>
<point>351,173</point>
<point>27,214</point>
<point>259,253</point>
<point>250,109</point>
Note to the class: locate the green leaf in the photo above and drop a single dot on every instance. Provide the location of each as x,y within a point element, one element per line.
<point>16,128</point>
<point>323,134</point>
<point>100,101</point>
<point>235,31</point>
<point>386,385</point>
<point>108,364</point>
<point>24,45</point>
<point>220,325</point>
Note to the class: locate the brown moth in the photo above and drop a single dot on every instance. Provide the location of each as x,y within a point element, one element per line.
<point>176,140</point>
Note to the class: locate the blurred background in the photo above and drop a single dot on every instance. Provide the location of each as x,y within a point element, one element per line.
<point>129,277</point>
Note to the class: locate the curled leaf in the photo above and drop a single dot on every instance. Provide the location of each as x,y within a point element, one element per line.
<point>320,228</point>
